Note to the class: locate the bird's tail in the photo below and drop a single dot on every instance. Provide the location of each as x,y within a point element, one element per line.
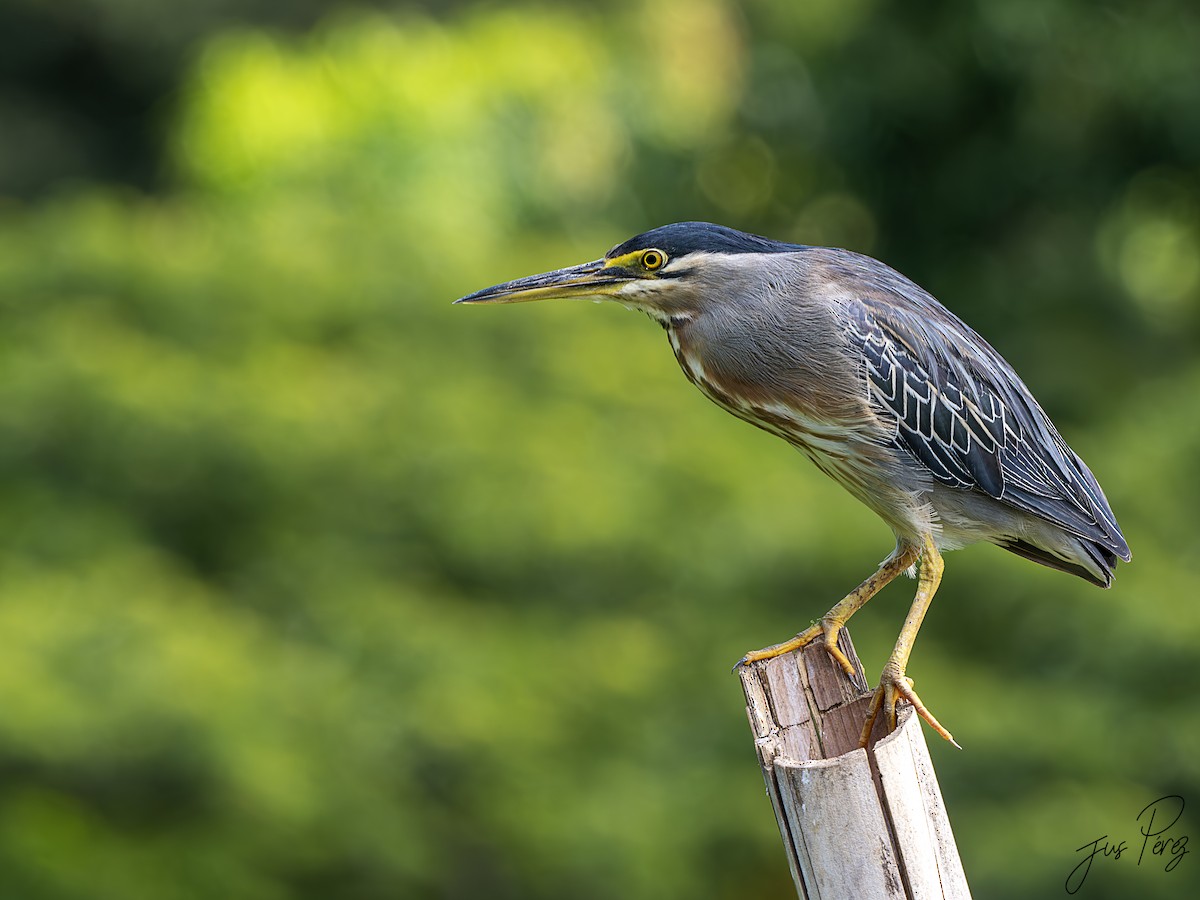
<point>1093,562</point>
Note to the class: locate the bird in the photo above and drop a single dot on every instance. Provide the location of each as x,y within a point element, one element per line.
<point>886,390</point>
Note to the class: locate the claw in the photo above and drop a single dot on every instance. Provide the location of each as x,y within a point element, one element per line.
<point>895,686</point>
<point>828,627</point>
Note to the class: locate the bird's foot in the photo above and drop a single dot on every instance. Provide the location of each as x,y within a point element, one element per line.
<point>829,626</point>
<point>895,686</point>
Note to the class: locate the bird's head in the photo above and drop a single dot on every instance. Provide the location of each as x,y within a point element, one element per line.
<point>669,273</point>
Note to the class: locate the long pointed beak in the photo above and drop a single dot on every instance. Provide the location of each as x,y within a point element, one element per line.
<point>591,279</point>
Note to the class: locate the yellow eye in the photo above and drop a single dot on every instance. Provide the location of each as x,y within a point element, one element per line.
<point>653,259</point>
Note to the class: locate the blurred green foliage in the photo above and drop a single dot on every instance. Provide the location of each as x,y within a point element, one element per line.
<point>315,586</point>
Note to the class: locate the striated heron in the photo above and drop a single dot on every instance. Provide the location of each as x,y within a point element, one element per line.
<point>887,391</point>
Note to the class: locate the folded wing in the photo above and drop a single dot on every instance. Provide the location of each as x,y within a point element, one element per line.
<point>963,412</point>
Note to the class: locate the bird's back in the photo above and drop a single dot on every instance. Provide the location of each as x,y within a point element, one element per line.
<point>965,416</point>
<point>957,429</point>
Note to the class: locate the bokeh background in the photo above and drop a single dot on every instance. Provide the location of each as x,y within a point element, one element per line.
<point>313,585</point>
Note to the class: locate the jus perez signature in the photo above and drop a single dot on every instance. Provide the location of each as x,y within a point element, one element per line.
<point>1155,822</point>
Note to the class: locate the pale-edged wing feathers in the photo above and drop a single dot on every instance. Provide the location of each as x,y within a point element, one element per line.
<point>963,412</point>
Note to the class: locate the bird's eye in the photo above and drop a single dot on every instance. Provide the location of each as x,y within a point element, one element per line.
<point>653,259</point>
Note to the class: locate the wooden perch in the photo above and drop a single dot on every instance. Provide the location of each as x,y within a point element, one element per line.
<point>855,823</point>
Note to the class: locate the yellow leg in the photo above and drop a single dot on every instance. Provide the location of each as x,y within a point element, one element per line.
<point>833,621</point>
<point>893,684</point>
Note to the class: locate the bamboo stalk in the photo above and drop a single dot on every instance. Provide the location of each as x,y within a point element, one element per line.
<point>855,823</point>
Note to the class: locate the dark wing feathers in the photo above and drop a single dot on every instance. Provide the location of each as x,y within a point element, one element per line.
<point>964,413</point>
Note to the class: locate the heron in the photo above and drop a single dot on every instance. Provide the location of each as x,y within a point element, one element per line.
<point>882,387</point>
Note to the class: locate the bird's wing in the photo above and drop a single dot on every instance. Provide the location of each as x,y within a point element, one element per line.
<point>964,413</point>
